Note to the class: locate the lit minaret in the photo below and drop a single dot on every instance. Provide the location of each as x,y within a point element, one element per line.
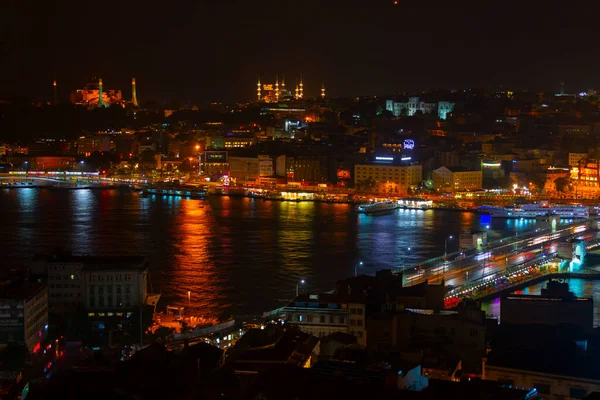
<point>54,89</point>
<point>323,90</point>
<point>282,83</point>
<point>258,89</point>
<point>301,87</point>
<point>276,87</point>
<point>297,96</point>
<point>100,95</point>
<point>133,93</point>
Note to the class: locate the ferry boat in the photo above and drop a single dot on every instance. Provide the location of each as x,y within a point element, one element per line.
<point>180,191</point>
<point>534,210</point>
<point>377,207</point>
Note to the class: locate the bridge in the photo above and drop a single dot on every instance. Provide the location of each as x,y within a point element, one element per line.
<point>509,262</point>
<point>54,178</point>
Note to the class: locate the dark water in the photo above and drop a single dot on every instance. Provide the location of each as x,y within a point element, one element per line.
<point>237,255</point>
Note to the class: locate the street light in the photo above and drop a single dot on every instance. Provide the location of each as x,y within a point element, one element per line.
<point>297,286</point>
<point>356,267</point>
<point>446,246</point>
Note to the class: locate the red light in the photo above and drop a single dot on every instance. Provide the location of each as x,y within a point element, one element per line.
<point>37,348</point>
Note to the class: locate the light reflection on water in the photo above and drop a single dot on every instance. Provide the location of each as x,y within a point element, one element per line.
<point>232,254</point>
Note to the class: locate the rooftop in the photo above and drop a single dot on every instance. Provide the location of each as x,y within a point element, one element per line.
<point>20,289</point>
<point>260,348</point>
<point>96,262</point>
<point>558,358</point>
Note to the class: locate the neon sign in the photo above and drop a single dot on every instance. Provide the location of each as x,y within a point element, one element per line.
<point>409,144</point>
<point>384,158</point>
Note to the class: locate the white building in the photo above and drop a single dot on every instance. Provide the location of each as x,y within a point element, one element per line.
<point>324,314</point>
<point>414,104</point>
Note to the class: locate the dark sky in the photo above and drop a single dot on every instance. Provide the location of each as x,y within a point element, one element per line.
<point>205,50</point>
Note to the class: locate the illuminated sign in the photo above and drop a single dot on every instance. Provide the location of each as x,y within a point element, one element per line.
<point>491,164</point>
<point>215,156</point>
<point>409,144</point>
<point>267,87</point>
<point>406,158</point>
<point>384,158</point>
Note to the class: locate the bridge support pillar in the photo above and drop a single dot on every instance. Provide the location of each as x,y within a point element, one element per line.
<point>573,252</point>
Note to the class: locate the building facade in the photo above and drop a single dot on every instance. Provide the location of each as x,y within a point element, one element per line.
<point>64,285</point>
<point>323,314</point>
<point>585,178</point>
<point>553,386</point>
<point>575,158</point>
<point>388,179</point>
<point>244,169</point>
<point>24,314</point>
<point>414,104</point>
<point>455,179</point>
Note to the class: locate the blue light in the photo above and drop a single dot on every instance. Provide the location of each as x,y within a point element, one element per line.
<point>46,327</point>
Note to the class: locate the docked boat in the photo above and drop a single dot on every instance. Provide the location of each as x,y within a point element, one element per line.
<point>535,210</point>
<point>179,191</point>
<point>377,207</point>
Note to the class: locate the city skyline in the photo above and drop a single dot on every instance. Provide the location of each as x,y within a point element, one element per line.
<point>215,51</point>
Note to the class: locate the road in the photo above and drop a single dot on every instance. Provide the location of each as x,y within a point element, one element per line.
<point>491,260</point>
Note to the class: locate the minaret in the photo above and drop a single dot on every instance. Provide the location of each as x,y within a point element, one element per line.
<point>323,90</point>
<point>100,95</point>
<point>282,83</point>
<point>55,95</point>
<point>562,88</point>
<point>297,96</point>
<point>133,93</point>
<point>301,87</point>
<point>258,89</point>
<point>276,87</point>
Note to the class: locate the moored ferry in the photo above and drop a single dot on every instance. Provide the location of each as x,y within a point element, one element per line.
<point>178,191</point>
<point>534,210</point>
<point>379,207</point>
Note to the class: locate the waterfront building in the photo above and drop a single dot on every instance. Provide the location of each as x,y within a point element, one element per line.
<point>111,289</point>
<point>414,104</point>
<point>585,177</point>
<point>555,306</point>
<point>244,169</point>
<point>64,283</point>
<point>456,179</point>
<point>324,314</point>
<point>23,313</point>
<point>388,179</point>
<point>41,163</point>
<point>307,168</point>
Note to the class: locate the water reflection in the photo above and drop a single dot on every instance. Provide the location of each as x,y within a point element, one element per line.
<point>232,254</point>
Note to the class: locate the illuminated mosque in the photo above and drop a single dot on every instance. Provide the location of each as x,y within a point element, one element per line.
<point>94,95</point>
<point>273,93</point>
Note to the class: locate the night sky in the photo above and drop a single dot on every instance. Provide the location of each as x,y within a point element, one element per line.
<point>214,50</point>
